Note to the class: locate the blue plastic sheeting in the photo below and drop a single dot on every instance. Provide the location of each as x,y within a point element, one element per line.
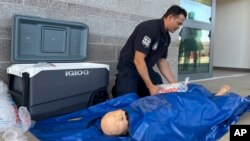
<point>195,115</point>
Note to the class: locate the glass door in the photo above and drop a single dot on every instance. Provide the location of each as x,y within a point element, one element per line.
<point>196,43</point>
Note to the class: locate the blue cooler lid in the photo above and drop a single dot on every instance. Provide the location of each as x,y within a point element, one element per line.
<point>37,39</point>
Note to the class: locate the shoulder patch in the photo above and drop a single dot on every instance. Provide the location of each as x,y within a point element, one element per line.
<point>146,41</point>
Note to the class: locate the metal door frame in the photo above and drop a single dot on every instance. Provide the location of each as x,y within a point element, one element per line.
<point>204,26</point>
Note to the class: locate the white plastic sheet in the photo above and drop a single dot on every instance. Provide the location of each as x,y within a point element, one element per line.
<point>14,121</point>
<point>175,87</point>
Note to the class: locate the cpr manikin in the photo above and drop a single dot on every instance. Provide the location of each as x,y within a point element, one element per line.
<point>115,123</point>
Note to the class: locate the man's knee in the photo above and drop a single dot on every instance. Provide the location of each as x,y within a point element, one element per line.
<point>123,85</point>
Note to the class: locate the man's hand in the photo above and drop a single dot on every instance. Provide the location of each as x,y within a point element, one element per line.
<point>154,89</point>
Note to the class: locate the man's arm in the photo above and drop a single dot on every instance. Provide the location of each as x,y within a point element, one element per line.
<point>165,70</point>
<point>143,72</point>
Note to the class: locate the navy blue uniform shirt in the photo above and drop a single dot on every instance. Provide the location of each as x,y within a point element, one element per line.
<point>150,38</point>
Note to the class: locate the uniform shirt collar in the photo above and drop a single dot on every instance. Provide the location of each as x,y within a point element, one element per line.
<point>163,31</point>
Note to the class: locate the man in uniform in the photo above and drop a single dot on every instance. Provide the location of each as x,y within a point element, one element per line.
<point>147,46</point>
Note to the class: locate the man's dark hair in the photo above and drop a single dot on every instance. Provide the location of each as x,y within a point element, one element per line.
<point>175,10</point>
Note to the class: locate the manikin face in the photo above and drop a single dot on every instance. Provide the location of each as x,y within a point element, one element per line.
<point>114,123</point>
<point>173,23</point>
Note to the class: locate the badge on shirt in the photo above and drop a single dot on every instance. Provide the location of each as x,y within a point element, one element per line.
<point>146,41</point>
<point>155,46</point>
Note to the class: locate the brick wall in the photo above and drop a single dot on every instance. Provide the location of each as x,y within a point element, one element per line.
<point>110,23</point>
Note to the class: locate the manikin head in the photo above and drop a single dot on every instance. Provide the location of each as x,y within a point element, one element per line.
<point>115,123</point>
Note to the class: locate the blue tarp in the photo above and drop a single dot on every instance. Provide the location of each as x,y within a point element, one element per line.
<point>195,115</point>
